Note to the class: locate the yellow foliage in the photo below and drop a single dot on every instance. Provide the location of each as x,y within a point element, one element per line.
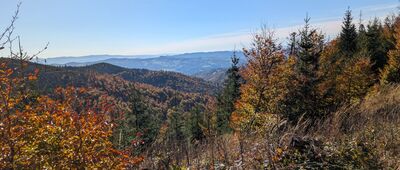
<point>355,81</point>
<point>391,72</point>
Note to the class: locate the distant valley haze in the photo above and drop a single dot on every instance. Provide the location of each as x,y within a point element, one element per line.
<point>187,63</point>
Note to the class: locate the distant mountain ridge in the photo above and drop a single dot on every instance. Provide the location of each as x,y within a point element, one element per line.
<point>187,63</point>
<point>85,59</point>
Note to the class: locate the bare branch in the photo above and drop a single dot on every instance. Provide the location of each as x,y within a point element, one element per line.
<point>8,38</point>
<point>39,52</point>
<point>11,27</point>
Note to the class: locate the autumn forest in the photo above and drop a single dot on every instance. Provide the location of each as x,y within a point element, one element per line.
<point>310,102</point>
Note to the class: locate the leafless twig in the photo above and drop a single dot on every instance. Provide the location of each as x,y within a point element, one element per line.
<point>10,29</point>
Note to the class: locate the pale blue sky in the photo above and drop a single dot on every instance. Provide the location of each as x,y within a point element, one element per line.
<point>84,27</point>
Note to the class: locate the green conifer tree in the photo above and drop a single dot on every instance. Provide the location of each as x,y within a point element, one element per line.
<point>348,36</point>
<point>139,126</point>
<point>195,123</point>
<point>303,100</point>
<point>229,95</point>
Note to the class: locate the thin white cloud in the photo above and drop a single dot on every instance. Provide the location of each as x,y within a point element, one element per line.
<point>228,41</point>
<point>242,38</point>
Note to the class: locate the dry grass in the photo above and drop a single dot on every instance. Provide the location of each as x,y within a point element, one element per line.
<point>365,135</point>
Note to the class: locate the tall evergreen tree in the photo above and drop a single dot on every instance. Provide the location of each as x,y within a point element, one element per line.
<point>139,126</point>
<point>195,123</point>
<point>348,36</point>
<point>310,47</point>
<point>229,95</point>
<point>304,98</point>
<point>145,121</point>
<point>177,133</point>
<point>353,68</point>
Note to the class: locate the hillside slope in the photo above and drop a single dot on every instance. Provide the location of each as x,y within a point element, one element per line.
<point>162,79</point>
<point>217,76</point>
<point>160,90</point>
<point>52,76</point>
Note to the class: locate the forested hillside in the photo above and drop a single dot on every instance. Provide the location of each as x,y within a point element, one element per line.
<point>53,76</point>
<point>217,76</point>
<point>310,104</point>
<point>162,79</point>
<point>187,63</point>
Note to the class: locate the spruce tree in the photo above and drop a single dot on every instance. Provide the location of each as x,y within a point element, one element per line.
<point>139,126</point>
<point>229,95</point>
<point>195,123</point>
<point>348,36</point>
<point>304,98</point>
<point>145,121</point>
<point>177,133</point>
<point>310,48</point>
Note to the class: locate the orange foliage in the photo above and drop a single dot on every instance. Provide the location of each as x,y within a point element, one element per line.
<point>354,82</point>
<point>38,132</point>
<point>268,75</point>
<point>391,72</point>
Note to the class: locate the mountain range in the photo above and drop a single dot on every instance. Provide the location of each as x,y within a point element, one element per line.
<point>188,63</point>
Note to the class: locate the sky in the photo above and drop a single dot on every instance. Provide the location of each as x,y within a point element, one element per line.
<point>138,27</point>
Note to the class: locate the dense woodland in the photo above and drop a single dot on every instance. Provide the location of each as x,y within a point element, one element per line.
<point>312,103</point>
